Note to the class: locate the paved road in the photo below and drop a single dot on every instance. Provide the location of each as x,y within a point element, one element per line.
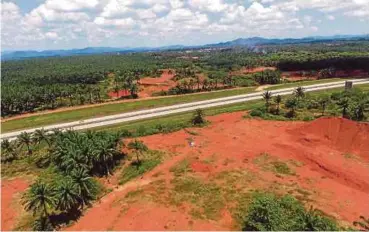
<point>179,108</point>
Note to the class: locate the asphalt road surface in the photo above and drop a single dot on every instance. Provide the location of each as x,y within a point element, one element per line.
<point>179,108</point>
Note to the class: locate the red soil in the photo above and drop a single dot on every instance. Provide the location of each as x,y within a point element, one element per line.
<point>10,206</point>
<point>150,85</point>
<point>338,185</point>
<point>121,93</point>
<point>164,79</point>
<point>245,70</point>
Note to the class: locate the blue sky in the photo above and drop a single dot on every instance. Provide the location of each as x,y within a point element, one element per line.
<point>65,24</point>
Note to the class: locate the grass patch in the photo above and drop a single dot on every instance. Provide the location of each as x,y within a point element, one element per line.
<point>134,193</point>
<point>133,171</point>
<point>271,163</point>
<point>282,168</point>
<point>181,168</point>
<point>206,198</point>
<point>20,167</point>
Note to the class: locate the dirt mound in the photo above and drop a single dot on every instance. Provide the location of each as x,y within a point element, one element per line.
<point>345,135</point>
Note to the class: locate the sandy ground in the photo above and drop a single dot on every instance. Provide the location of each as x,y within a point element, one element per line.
<point>11,191</point>
<point>333,171</point>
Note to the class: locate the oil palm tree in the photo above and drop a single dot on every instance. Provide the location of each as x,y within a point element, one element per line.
<point>85,187</point>
<point>67,195</point>
<point>267,97</point>
<point>104,155</point>
<point>344,104</point>
<point>25,139</point>
<point>360,108</point>
<point>8,151</point>
<point>139,147</point>
<point>299,92</point>
<point>291,104</point>
<point>39,198</point>
<point>323,102</point>
<point>41,135</point>
<point>278,101</point>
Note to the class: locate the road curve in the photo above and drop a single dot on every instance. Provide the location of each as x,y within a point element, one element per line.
<point>179,108</point>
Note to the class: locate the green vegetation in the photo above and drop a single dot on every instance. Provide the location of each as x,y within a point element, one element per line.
<point>138,147</point>
<point>205,196</point>
<point>268,212</point>
<point>47,83</point>
<point>353,104</point>
<point>271,163</point>
<point>133,170</point>
<point>65,164</point>
<point>198,118</point>
<point>181,168</point>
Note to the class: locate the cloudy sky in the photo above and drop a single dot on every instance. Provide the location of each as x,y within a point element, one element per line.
<point>64,24</point>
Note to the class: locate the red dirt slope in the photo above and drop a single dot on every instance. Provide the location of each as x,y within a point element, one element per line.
<point>344,134</point>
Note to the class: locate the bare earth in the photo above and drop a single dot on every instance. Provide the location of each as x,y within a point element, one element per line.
<point>328,156</point>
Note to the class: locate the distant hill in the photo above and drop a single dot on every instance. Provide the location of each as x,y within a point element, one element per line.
<point>264,41</point>
<point>253,41</point>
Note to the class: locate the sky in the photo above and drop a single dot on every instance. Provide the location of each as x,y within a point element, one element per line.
<point>66,24</point>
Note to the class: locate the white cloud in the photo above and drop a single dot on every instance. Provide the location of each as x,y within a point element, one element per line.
<point>51,35</point>
<point>208,5</point>
<point>176,3</point>
<point>70,5</point>
<point>331,17</point>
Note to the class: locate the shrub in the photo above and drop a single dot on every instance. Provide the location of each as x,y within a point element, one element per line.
<point>256,113</point>
<point>269,212</point>
<point>198,118</point>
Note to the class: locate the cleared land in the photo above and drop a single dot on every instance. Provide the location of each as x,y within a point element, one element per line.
<point>206,186</point>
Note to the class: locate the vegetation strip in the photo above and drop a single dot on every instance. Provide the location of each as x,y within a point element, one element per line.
<point>173,109</point>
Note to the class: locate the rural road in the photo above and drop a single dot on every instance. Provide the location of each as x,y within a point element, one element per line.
<point>179,108</point>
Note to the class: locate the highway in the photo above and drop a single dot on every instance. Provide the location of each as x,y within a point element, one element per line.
<point>179,108</point>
